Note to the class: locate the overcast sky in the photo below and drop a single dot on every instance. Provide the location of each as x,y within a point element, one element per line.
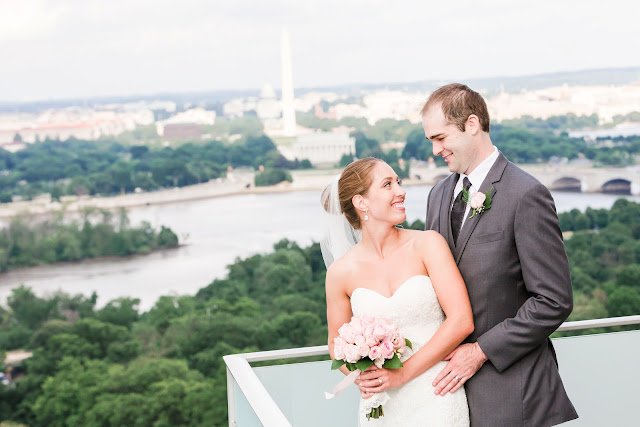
<point>80,48</point>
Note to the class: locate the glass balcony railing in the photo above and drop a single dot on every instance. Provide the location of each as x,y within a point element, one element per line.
<point>601,373</point>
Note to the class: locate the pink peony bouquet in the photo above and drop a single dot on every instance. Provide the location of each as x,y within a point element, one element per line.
<point>365,341</point>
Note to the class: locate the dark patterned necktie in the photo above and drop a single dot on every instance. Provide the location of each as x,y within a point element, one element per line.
<point>457,212</point>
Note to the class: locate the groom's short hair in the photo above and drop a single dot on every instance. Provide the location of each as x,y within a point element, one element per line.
<point>458,103</point>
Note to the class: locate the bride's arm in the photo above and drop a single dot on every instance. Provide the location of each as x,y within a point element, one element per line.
<point>454,300</point>
<point>338,303</point>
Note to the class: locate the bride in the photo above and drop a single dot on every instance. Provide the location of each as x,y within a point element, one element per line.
<point>407,276</point>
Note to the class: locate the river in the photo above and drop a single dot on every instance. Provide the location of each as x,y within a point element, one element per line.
<point>214,232</point>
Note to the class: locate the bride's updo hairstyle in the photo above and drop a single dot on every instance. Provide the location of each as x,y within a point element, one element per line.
<point>355,179</point>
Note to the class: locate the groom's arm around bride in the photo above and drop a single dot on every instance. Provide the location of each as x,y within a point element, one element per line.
<point>512,258</point>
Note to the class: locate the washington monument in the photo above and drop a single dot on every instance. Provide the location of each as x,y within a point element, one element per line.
<point>288,109</point>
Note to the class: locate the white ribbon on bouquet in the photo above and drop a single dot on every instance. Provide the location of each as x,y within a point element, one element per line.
<point>342,385</point>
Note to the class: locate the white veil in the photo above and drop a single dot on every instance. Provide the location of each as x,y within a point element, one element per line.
<point>339,236</point>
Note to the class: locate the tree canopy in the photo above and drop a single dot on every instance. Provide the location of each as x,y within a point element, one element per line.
<point>115,365</point>
<point>77,167</point>
<point>29,240</point>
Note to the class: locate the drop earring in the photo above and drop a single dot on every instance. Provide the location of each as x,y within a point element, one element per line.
<point>366,214</point>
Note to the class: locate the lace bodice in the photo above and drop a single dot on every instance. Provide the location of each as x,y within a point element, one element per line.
<point>415,310</point>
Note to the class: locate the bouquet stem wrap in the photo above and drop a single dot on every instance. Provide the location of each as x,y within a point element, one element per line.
<point>372,404</point>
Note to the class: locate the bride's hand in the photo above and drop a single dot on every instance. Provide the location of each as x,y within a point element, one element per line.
<point>359,382</point>
<point>376,380</point>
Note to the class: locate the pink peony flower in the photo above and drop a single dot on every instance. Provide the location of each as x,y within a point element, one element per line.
<point>338,348</point>
<point>375,352</point>
<point>347,333</point>
<point>477,200</point>
<point>357,326</point>
<point>387,348</point>
<point>381,331</point>
<point>399,342</point>
<point>363,350</point>
<point>352,355</point>
<point>393,329</point>
<point>370,337</point>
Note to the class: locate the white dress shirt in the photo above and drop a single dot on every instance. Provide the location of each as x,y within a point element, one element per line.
<point>476,177</point>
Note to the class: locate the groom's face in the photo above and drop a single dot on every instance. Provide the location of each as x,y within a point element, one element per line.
<point>455,146</point>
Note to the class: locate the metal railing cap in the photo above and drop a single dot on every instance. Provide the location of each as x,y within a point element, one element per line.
<point>256,394</point>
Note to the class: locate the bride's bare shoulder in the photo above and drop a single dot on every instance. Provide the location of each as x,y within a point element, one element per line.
<point>339,271</point>
<point>425,238</point>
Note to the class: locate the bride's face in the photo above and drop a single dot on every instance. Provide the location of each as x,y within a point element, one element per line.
<point>385,197</point>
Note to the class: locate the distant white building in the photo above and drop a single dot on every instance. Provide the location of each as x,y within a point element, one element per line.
<point>605,101</point>
<point>13,147</point>
<point>394,105</point>
<point>194,116</point>
<point>268,106</point>
<point>323,148</point>
<point>142,117</point>
<point>168,106</point>
<point>349,110</point>
<point>234,108</point>
<point>238,107</point>
<point>382,105</point>
<point>307,101</point>
<point>65,123</point>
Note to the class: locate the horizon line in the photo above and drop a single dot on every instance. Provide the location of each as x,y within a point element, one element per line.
<point>434,81</point>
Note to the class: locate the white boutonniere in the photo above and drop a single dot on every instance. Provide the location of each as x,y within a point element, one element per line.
<point>478,202</point>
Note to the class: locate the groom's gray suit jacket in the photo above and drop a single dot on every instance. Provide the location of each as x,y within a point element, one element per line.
<point>514,264</point>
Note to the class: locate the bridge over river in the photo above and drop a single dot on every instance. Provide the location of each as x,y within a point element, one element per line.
<point>563,178</point>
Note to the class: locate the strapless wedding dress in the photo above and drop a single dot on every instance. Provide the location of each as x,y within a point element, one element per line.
<point>415,310</point>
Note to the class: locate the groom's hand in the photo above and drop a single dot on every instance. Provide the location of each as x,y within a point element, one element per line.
<point>464,362</point>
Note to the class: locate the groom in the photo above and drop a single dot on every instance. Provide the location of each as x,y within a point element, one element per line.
<point>512,258</point>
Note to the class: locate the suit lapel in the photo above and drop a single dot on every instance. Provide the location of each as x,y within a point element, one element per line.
<point>444,216</point>
<point>494,175</point>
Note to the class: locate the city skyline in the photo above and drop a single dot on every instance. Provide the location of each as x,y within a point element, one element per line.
<point>70,49</point>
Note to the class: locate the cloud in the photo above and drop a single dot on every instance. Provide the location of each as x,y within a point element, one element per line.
<point>71,48</point>
<point>27,20</point>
